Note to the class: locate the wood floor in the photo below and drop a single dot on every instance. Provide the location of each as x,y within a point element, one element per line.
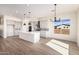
<point>17,46</point>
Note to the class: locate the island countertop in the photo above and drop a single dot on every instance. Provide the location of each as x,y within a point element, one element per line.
<point>33,36</point>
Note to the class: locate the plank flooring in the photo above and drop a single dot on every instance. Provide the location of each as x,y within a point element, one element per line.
<point>17,46</point>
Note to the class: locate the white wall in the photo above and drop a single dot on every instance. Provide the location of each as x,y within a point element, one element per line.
<point>73,27</point>
<point>78,28</point>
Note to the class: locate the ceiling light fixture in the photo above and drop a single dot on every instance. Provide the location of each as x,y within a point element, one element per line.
<point>29,14</point>
<point>24,16</point>
<point>55,16</point>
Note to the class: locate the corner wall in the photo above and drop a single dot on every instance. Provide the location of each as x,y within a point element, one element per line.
<point>78,28</point>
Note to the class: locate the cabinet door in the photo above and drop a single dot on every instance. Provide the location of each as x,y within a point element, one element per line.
<point>10,30</point>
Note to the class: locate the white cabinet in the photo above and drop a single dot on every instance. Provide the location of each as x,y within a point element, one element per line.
<point>43,33</point>
<point>44,25</point>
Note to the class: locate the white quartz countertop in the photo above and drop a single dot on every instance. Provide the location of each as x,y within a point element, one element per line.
<point>31,32</point>
<point>33,36</point>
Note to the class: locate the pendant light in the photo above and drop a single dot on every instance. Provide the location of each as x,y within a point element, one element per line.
<point>29,14</point>
<point>55,18</point>
<point>24,16</point>
<point>24,19</point>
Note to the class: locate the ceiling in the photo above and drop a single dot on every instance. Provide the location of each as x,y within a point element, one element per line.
<point>37,10</point>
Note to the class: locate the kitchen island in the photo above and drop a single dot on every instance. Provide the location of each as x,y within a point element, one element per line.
<point>33,37</point>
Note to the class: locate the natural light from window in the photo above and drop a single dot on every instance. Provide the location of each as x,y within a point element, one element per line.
<point>59,46</point>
